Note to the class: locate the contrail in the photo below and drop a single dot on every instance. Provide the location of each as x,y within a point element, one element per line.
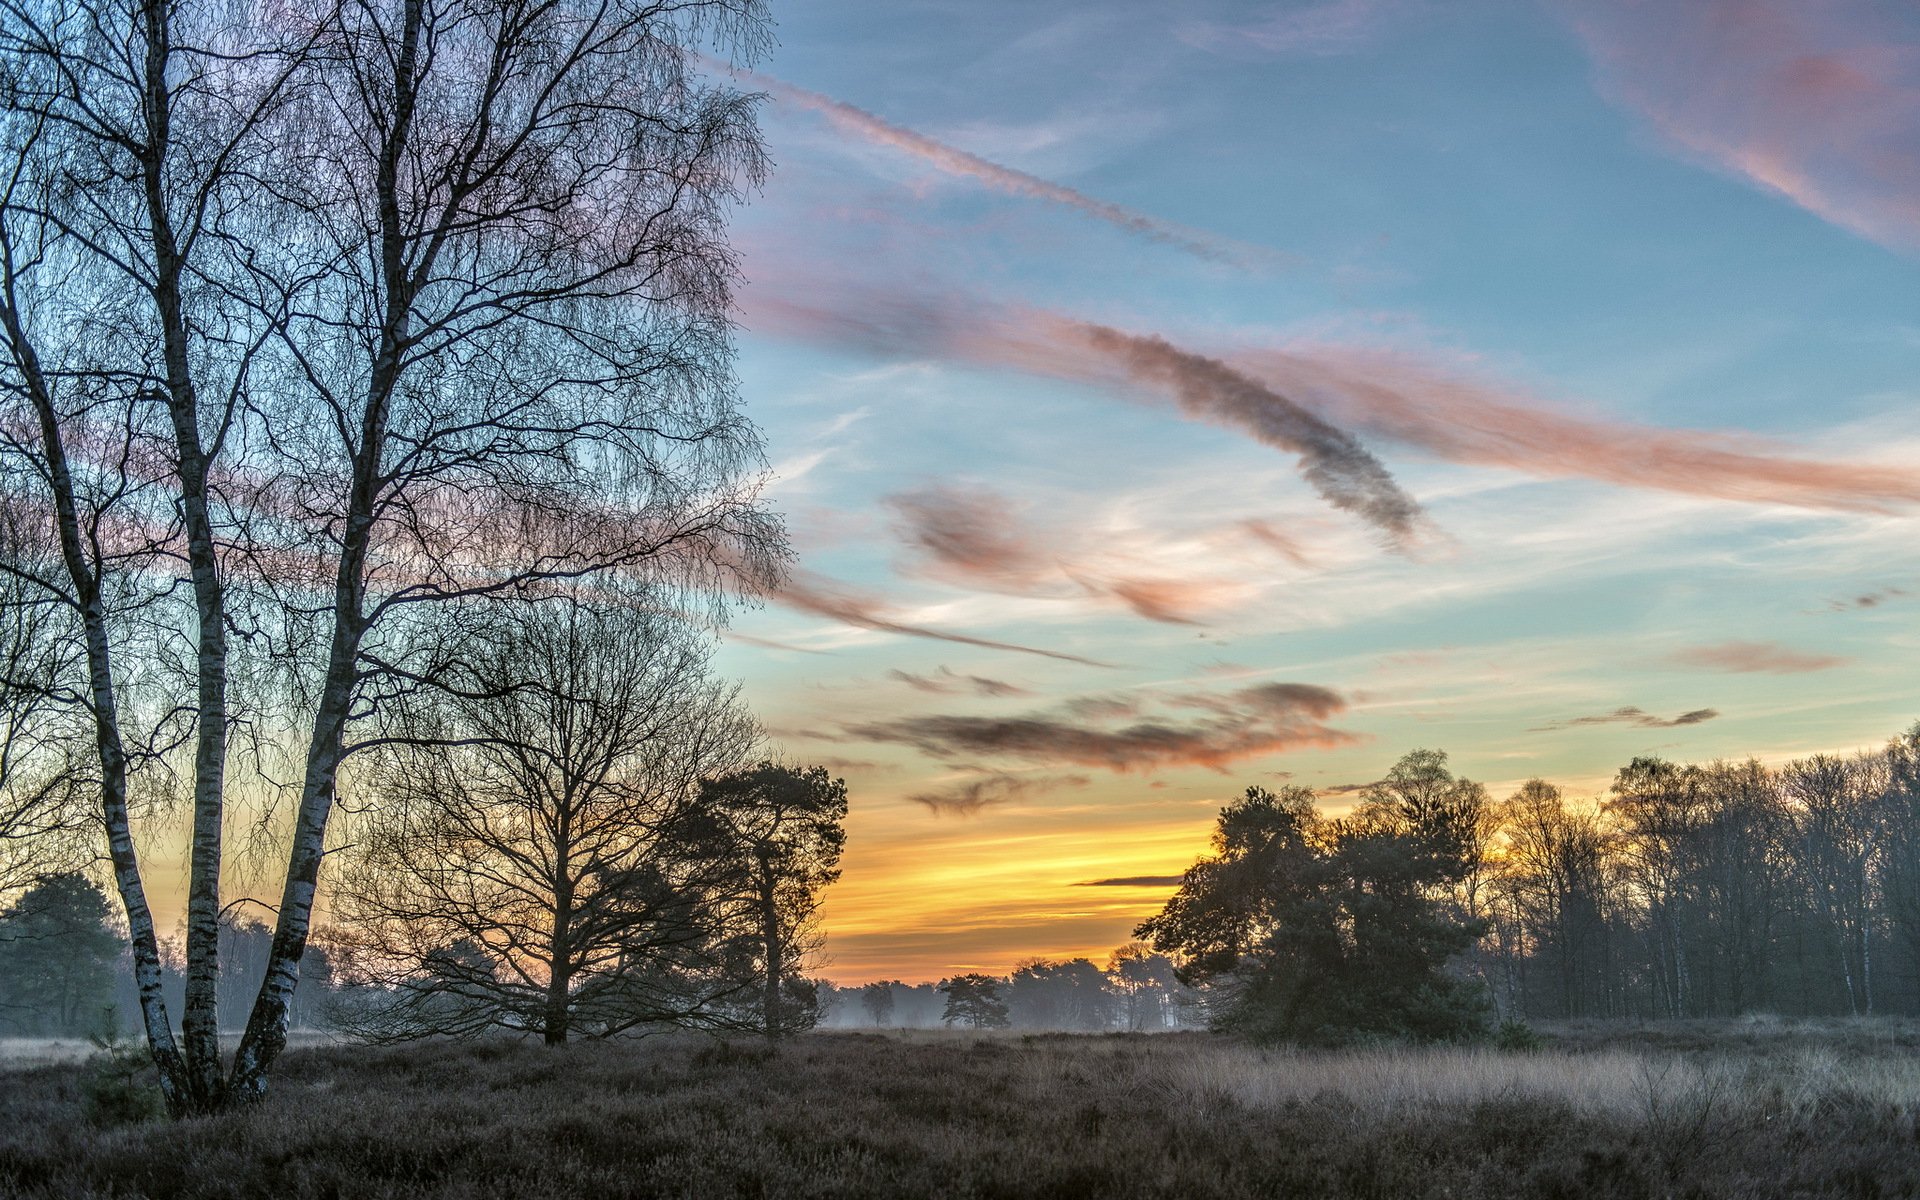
<point>954,161</point>
<point>1333,462</point>
<point>809,595</point>
<point>1278,395</point>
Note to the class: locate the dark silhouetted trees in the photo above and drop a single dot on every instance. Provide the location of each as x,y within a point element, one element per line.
<point>876,1000</point>
<point>1324,931</point>
<point>973,1000</point>
<point>58,955</point>
<point>1146,986</point>
<point>787,828</point>
<point>545,854</point>
<point>1074,995</point>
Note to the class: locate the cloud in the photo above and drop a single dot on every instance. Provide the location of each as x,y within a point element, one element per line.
<point>1332,27</point>
<point>1266,719</point>
<point>1816,102</point>
<point>1634,716</point>
<point>1332,460</point>
<point>1865,600</point>
<point>823,598</point>
<point>1273,539</point>
<point>1769,658</point>
<point>1139,881</point>
<point>948,683</point>
<point>976,538</point>
<point>972,534</point>
<point>1302,397</point>
<point>968,797</point>
<point>865,126</point>
<point>1439,408</point>
<point>748,639</point>
<point>1346,789</point>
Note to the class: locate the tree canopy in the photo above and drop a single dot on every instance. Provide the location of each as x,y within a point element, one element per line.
<point>1330,930</point>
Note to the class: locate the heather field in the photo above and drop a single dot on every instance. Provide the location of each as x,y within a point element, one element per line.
<point>1755,1109</point>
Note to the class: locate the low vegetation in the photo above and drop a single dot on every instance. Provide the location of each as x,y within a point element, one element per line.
<point>1777,1109</point>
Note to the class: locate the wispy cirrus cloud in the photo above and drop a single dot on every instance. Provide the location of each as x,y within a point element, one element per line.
<point>1873,599</point>
<point>857,123</point>
<point>947,682</point>
<point>1816,102</point>
<point>1135,881</point>
<point>1280,542</point>
<point>1266,719</point>
<point>1769,658</point>
<point>1332,461</point>
<point>811,594</point>
<point>1633,716</point>
<point>968,797</point>
<point>1437,406</point>
<point>1329,27</point>
<point>1303,397</point>
<point>974,537</point>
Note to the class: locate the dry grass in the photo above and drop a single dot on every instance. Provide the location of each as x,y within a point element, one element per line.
<point>853,1114</point>
<point>1621,1085</point>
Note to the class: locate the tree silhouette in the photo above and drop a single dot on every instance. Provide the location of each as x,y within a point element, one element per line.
<point>787,828</point>
<point>548,819</point>
<point>973,1000</point>
<point>1324,931</point>
<point>57,958</point>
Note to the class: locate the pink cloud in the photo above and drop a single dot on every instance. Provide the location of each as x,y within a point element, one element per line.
<point>861,125</point>
<point>1441,409</point>
<point>1815,100</point>
<point>821,597</point>
<point>1301,399</point>
<point>1768,658</point>
<point>975,538</point>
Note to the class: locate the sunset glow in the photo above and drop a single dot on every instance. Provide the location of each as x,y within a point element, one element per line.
<point>1533,382</point>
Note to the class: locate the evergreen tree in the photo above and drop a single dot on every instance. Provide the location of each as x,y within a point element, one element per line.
<point>1327,931</point>
<point>57,956</point>
<point>974,1000</point>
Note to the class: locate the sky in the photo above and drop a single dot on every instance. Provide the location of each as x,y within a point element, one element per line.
<point>1167,399</point>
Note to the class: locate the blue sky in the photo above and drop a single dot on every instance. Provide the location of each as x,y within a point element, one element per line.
<point>1621,295</point>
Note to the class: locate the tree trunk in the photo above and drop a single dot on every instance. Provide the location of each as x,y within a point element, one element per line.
<point>770,935</point>
<point>200,1025</point>
<point>104,698</point>
<point>266,1034</point>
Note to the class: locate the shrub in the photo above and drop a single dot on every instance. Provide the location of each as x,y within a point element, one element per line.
<point>120,1086</point>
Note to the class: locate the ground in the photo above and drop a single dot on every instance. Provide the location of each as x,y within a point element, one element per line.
<point>1758,1109</point>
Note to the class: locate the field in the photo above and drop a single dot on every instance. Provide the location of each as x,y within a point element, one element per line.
<point>1758,1109</point>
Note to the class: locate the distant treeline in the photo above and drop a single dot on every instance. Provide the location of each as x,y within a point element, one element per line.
<point>65,970</point>
<point>1687,890</point>
<point>1708,890</point>
<point>1138,991</point>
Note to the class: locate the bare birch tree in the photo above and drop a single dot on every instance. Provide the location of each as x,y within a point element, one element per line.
<point>386,308</point>
<point>41,749</point>
<point>507,344</point>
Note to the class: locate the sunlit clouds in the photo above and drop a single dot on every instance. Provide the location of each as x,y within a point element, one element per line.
<point>1560,441</point>
<point>1817,102</point>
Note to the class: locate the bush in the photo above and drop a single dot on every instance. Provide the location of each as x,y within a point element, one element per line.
<point>1517,1036</point>
<point>120,1086</point>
